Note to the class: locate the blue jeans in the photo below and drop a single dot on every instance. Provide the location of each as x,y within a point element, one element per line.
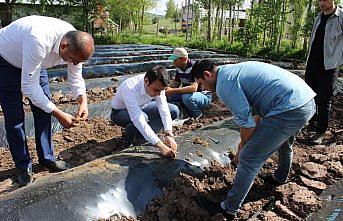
<point>194,102</point>
<point>12,106</point>
<point>122,118</point>
<point>274,133</point>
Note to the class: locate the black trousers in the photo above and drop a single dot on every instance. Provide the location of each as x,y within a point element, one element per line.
<point>323,84</point>
<point>11,100</point>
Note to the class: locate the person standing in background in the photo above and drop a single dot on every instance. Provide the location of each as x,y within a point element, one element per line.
<point>325,56</point>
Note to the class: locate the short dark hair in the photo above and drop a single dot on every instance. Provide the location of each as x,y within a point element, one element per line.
<point>156,73</point>
<point>199,68</point>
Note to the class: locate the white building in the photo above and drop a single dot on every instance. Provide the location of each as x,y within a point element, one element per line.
<point>187,15</point>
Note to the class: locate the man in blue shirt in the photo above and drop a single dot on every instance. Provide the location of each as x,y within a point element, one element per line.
<point>283,102</point>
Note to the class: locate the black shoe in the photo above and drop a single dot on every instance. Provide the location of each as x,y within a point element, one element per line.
<point>268,178</point>
<point>56,166</point>
<point>25,177</point>
<point>311,127</point>
<point>213,207</point>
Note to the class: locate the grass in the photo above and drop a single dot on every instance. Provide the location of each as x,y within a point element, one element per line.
<point>163,22</point>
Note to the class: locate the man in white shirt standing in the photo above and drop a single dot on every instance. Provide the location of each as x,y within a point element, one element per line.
<point>27,47</point>
<point>140,105</point>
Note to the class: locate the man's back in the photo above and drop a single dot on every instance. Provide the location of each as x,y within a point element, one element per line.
<point>41,30</point>
<point>267,88</point>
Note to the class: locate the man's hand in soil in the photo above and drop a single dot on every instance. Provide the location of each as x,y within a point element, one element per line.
<point>82,114</point>
<point>65,119</point>
<point>170,142</point>
<point>165,150</point>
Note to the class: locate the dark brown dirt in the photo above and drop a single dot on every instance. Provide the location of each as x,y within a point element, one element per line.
<point>200,141</point>
<point>295,200</point>
<point>90,140</point>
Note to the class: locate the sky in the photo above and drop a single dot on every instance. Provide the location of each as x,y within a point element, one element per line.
<point>161,7</point>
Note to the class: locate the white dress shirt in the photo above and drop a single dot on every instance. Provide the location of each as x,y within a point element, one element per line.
<point>131,95</point>
<point>32,43</point>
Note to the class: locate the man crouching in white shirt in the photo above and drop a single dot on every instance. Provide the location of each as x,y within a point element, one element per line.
<point>28,46</point>
<point>140,105</point>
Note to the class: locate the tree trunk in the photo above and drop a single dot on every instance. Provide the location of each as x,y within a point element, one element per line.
<point>85,14</point>
<point>282,25</point>
<point>142,19</point>
<point>187,31</point>
<point>120,22</point>
<point>136,21</point>
<point>233,23</point>
<point>251,9</point>
<point>305,43</point>
<point>192,30</point>
<point>157,24</point>
<point>209,22</point>
<point>229,25</point>
<point>216,22</point>
<point>264,34</point>
<point>221,21</point>
<point>247,39</point>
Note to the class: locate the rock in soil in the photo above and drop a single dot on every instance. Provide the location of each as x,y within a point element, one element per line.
<point>285,212</point>
<point>335,167</point>
<point>313,185</point>
<point>200,141</point>
<point>299,199</point>
<point>269,215</point>
<point>318,158</point>
<point>313,170</point>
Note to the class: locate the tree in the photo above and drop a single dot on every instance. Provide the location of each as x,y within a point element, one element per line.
<point>310,15</point>
<point>298,20</point>
<point>6,18</point>
<point>209,21</point>
<point>171,9</point>
<point>130,12</point>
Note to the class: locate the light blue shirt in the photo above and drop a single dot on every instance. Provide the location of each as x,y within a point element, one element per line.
<point>262,87</point>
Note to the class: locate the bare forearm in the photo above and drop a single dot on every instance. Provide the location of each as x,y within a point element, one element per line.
<point>82,99</point>
<point>56,112</point>
<point>246,133</point>
<point>185,90</point>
